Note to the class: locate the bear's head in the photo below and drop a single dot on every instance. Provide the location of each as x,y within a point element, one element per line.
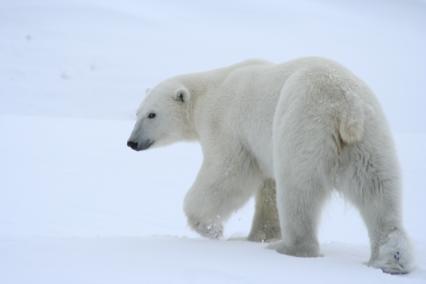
<point>162,117</point>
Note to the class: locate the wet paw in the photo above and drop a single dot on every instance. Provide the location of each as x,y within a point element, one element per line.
<point>211,231</point>
<point>394,255</point>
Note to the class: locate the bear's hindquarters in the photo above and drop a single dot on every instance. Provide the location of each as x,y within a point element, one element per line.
<point>314,154</point>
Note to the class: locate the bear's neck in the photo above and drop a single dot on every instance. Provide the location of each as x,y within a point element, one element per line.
<point>199,85</point>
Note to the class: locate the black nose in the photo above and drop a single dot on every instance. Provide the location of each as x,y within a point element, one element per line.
<point>132,144</point>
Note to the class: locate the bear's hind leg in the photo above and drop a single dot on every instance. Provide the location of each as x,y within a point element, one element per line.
<point>375,189</point>
<point>265,226</point>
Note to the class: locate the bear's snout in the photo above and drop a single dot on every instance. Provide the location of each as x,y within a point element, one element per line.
<point>132,144</point>
<point>140,146</point>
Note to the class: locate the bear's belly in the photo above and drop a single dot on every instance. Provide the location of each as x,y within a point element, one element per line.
<point>261,149</point>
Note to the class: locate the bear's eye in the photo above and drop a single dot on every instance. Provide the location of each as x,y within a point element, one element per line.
<point>151,115</point>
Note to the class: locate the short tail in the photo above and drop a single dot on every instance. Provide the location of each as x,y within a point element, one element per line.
<point>351,128</point>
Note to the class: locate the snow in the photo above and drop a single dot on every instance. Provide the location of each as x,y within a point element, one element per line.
<point>180,260</point>
<point>77,206</point>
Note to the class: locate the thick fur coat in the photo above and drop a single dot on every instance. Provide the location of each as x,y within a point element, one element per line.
<point>305,127</point>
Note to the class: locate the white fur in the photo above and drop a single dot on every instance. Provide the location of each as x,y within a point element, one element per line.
<point>308,124</point>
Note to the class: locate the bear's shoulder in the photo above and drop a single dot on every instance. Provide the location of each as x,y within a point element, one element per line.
<point>243,67</point>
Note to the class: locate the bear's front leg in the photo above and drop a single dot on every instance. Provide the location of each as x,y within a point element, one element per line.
<point>266,225</point>
<point>207,228</point>
<point>221,187</point>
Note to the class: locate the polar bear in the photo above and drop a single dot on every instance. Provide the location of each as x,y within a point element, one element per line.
<point>305,127</point>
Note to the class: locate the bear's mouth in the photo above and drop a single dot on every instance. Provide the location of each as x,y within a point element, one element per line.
<point>145,145</point>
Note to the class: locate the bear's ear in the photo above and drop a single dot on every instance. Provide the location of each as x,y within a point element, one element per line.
<point>182,95</point>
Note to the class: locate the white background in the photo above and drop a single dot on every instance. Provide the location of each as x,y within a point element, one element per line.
<point>77,206</point>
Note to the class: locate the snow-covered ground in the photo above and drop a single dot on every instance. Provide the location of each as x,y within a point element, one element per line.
<point>77,206</point>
